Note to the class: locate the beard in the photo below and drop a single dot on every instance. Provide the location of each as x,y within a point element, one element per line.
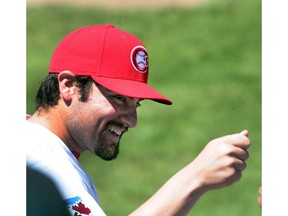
<point>107,152</point>
<point>106,149</point>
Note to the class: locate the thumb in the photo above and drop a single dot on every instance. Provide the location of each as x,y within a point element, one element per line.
<point>245,133</point>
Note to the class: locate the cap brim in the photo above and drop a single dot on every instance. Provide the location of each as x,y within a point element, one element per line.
<point>132,89</point>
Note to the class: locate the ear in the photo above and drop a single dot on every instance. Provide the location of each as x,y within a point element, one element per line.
<point>66,85</point>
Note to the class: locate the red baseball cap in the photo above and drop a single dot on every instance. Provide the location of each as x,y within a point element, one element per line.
<point>113,58</point>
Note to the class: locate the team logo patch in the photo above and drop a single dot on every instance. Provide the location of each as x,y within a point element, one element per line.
<point>76,206</point>
<point>139,59</point>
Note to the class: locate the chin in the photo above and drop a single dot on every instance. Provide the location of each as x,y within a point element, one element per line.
<point>108,157</point>
<point>108,154</point>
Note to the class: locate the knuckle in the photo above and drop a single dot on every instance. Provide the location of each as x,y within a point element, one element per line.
<point>227,149</point>
<point>242,166</point>
<point>233,176</point>
<point>230,161</point>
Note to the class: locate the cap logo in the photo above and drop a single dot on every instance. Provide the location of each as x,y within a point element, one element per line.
<point>139,59</point>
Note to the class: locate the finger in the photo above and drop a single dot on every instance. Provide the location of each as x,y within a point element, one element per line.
<point>240,153</point>
<point>237,174</point>
<point>239,165</point>
<point>240,140</point>
<point>245,133</point>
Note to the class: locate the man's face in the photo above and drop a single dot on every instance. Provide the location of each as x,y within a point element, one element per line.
<point>99,123</point>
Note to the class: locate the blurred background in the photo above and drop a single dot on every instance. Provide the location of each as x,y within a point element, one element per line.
<point>205,55</point>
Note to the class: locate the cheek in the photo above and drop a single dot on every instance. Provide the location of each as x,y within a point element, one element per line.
<point>96,111</point>
<point>104,108</point>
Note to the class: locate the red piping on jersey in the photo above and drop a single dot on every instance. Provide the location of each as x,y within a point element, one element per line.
<point>76,154</point>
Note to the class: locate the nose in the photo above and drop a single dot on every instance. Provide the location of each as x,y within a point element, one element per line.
<point>129,118</point>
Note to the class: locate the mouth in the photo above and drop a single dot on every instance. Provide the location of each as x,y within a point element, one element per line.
<point>116,130</point>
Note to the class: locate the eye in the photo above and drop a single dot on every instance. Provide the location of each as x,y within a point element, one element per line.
<point>119,99</point>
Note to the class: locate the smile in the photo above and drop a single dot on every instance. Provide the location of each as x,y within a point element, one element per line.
<point>116,130</point>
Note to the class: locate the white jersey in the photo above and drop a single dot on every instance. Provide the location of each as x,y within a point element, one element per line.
<point>47,154</point>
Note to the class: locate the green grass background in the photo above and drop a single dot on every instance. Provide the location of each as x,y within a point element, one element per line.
<point>208,61</point>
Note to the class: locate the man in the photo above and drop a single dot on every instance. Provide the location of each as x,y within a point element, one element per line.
<point>97,78</point>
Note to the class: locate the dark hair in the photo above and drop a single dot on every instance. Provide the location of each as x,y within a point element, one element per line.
<point>48,93</point>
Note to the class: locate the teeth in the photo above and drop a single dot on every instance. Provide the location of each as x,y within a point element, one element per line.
<point>115,129</point>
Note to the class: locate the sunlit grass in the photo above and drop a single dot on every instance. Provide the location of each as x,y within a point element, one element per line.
<point>207,60</point>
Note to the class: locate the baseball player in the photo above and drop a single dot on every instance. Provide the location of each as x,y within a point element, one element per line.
<point>97,78</point>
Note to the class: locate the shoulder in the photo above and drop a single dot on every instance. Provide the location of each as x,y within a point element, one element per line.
<point>39,137</point>
<point>43,148</point>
